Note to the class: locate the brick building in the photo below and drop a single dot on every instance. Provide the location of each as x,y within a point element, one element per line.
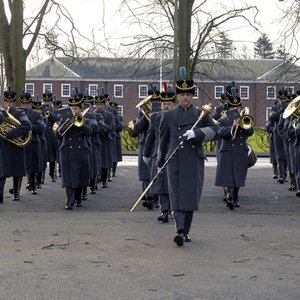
<point>128,80</point>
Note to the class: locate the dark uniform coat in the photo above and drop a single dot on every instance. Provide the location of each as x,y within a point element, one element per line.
<point>233,155</point>
<point>160,186</point>
<point>186,170</point>
<point>114,134</point>
<point>33,150</point>
<point>12,158</point>
<point>75,156</point>
<point>297,152</point>
<point>140,130</point>
<point>52,143</point>
<point>119,127</point>
<point>270,127</point>
<point>107,139</point>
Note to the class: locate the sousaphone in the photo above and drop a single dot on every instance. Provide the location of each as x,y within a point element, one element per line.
<point>293,108</point>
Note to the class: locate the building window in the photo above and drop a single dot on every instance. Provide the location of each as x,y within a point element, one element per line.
<point>118,90</point>
<point>29,88</point>
<point>120,110</point>
<point>93,90</point>
<point>290,89</point>
<point>268,110</point>
<point>143,91</point>
<point>244,92</point>
<point>47,87</point>
<point>219,90</point>
<point>271,92</point>
<point>196,95</point>
<point>66,90</point>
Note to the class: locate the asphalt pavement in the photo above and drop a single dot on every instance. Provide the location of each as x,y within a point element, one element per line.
<point>103,251</point>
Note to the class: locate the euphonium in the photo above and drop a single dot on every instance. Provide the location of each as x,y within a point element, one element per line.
<point>10,123</point>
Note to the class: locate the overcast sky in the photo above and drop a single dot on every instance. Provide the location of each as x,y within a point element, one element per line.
<point>103,16</point>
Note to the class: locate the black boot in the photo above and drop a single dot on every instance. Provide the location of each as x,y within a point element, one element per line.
<point>84,193</point>
<point>17,182</point>
<point>292,186</point>
<point>236,197</point>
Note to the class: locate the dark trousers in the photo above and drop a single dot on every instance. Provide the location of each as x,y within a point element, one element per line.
<point>93,183</point>
<point>104,173</point>
<point>282,168</point>
<point>17,182</point>
<point>31,179</point>
<point>164,202</point>
<point>183,220</point>
<point>114,168</point>
<point>2,183</point>
<point>234,193</point>
<point>52,168</point>
<point>72,195</point>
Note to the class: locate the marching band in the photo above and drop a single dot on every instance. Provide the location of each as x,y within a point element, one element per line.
<point>81,143</point>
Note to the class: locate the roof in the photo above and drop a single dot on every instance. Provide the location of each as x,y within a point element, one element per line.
<point>126,69</point>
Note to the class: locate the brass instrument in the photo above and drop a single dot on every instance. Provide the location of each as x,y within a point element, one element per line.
<point>46,113</point>
<point>246,121</point>
<point>293,108</point>
<point>10,123</point>
<point>130,127</point>
<point>145,107</point>
<point>77,121</point>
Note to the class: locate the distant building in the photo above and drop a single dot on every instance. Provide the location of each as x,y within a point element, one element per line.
<point>129,79</point>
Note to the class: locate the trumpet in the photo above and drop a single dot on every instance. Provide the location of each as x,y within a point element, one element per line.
<point>10,123</point>
<point>77,121</point>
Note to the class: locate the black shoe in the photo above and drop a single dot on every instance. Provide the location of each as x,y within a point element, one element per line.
<point>16,197</point>
<point>286,180</point>
<point>280,180</point>
<point>292,187</point>
<point>84,197</point>
<point>148,204</point>
<point>230,204</point>
<point>155,204</point>
<point>109,179</point>
<point>179,239</point>
<point>28,187</point>
<point>69,207</point>
<point>104,185</point>
<point>79,204</point>
<point>33,191</point>
<point>298,193</point>
<point>11,191</point>
<point>164,217</point>
<point>275,176</point>
<point>187,238</point>
<point>236,204</point>
<point>93,191</point>
<point>53,178</point>
<point>38,186</point>
<point>1,198</point>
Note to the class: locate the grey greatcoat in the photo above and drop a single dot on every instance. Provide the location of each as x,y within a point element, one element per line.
<point>140,130</point>
<point>114,134</point>
<point>12,158</point>
<point>186,170</point>
<point>107,139</point>
<point>297,152</point>
<point>33,150</point>
<point>75,156</point>
<point>233,155</point>
<point>270,127</point>
<point>160,186</point>
<point>119,127</point>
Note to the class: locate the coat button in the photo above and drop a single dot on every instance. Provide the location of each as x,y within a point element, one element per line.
<point>71,147</point>
<point>178,128</point>
<point>79,139</point>
<point>181,146</point>
<point>193,146</point>
<point>232,145</point>
<point>79,147</point>
<point>241,144</point>
<point>70,139</point>
<point>180,136</point>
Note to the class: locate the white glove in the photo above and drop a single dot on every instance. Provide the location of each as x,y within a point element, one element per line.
<point>189,134</point>
<point>146,160</point>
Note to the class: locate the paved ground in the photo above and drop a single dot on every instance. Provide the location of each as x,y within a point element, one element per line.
<point>102,251</point>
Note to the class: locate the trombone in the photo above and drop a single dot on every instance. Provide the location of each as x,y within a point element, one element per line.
<point>77,121</point>
<point>246,121</point>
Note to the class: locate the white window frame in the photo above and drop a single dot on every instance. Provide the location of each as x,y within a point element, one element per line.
<point>31,90</point>
<point>93,89</point>
<point>196,95</point>
<point>47,86</point>
<point>217,93</point>
<point>62,87</point>
<point>117,91</point>
<point>291,89</point>
<point>246,88</point>
<point>268,110</point>
<point>141,91</point>
<point>120,109</point>
<point>267,92</point>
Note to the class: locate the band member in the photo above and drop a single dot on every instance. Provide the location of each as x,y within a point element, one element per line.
<point>106,138</point>
<point>233,154</point>
<point>119,128</point>
<point>37,106</point>
<point>270,129</point>
<point>12,152</point>
<point>33,150</point>
<point>74,153</point>
<point>140,130</point>
<point>159,187</point>
<point>52,144</point>
<point>186,170</point>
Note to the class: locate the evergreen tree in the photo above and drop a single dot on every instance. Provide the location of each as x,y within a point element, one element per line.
<point>263,48</point>
<point>281,53</point>
<point>224,45</point>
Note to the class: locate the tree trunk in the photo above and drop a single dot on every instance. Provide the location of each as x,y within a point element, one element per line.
<point>17,51</point>
<point>183,32</point>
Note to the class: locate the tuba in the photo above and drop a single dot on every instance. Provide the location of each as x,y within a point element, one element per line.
<point>10,123</point>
